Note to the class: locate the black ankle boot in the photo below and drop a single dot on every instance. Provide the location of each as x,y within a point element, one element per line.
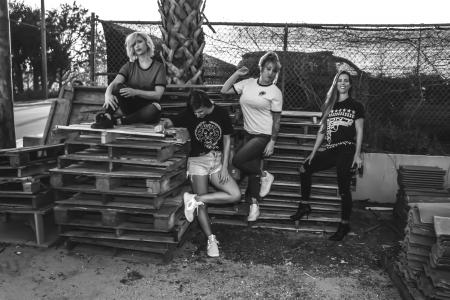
<point>303,209</point>
<point>342,231</point>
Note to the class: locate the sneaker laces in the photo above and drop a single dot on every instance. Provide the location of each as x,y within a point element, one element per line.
<point>194,204</point>
<point>212,239</point>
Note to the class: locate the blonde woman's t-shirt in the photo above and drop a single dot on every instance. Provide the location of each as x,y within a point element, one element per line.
<point>257,103</point>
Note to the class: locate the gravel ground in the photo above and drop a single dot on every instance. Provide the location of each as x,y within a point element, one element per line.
<point>254,264</point>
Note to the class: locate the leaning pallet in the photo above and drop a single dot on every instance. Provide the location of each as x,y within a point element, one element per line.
<point>121,187</point>
<point>26,200</point>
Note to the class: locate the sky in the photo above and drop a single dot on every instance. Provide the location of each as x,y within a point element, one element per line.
<point>279,11</point>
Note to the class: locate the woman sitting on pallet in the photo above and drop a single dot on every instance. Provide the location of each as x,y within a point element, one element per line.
<point>137,88</point>
<point>342,127</point>
<point>261,102</point>
<point>210,128</point>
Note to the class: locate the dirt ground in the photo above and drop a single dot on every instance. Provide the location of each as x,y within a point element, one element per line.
<point>254,264</point>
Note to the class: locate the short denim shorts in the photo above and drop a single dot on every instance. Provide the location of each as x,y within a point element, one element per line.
<point>207,164</point>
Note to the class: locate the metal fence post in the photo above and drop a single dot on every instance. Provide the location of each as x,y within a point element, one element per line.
<point>44,50</point>
<point>92,51</point>
<point>283,69</point>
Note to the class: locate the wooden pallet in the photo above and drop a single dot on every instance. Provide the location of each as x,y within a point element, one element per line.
<point>150,132</point>
<point>37,167</point>
<point>25,201</point>
<point>30,184</point>
<point>308,116</point>
<point>30,227</point>
<point>158,150</point>
<point>17,157</point>
<point>129,180</point>
<point>115,200</point>
<point>155,242</point>
<point>91,214</point>
<point>116,162</point>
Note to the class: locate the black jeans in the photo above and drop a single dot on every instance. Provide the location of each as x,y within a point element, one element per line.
<point>135,109</point>
<point>248,159</point>
<point>342,158</point>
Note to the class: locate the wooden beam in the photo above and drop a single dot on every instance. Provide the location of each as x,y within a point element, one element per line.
<point>7,134</point>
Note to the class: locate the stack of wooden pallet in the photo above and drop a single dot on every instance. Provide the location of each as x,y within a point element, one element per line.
<point>295,141</point>
<point>435,280</point>
<point>423,264</point>
<point>26,201</point>
<point>121,187</point>
<point>419,184</point>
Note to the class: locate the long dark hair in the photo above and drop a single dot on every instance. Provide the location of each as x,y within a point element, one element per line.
<point>332,95</point>
<point>199,98</point>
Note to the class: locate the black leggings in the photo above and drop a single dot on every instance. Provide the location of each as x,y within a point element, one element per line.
<point>342,158</point>
<point>135,109</point>
<point>248,159</point>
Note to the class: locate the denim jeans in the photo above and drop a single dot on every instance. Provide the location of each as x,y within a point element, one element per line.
<point>248,159</point>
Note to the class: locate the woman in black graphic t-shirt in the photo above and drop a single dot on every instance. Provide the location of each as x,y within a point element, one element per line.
<point>342,128</point>
<point>209,128</point>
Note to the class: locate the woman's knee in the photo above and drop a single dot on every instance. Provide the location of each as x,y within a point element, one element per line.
<point>236,161</point>
<point>235,195</point>
<point>117,89</point>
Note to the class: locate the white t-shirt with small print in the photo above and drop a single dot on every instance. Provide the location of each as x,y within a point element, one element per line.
<point>257,103</point>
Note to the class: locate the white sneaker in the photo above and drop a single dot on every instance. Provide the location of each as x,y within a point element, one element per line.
<point>254,213</point>
<point>212,250</point>
<point>190,204</point>
<point>266,183</point>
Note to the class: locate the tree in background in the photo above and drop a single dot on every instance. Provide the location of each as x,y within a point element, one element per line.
<point>68,42</point>
<point>183,39</point>
<point>25,45</point>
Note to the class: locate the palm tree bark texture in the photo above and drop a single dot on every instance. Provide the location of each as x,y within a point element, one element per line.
<point>183,39</point>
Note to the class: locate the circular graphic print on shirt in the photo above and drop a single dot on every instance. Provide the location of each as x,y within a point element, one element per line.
<point>208,133</point>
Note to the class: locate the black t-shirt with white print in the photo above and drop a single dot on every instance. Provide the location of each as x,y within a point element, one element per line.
<point>206,133</point>
<point>340,126</point>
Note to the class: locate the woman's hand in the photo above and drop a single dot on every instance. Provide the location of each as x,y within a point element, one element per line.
<point>127,92</point>
<point>242,71</point>
<point>309,158</point>
<point>110,101</point>
<point>357,161</point>
<point>268,151</point>
<point>223,175</point>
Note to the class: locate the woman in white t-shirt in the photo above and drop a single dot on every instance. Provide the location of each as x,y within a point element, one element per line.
<point>261,103</point>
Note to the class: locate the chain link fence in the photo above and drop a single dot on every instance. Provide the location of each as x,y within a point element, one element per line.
<point>400,73</point>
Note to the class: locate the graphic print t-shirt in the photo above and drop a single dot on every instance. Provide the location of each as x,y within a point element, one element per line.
<point>340,130</point>
<point>206,133</point>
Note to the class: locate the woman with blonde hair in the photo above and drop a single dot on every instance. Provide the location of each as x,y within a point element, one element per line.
<point>261,103</point>
<point>342,128</point>
<point>137,88</point>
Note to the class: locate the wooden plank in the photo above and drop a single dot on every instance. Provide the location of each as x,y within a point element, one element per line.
<point>311,228</point>
<point>135,246</point>
<point>17,230</point>
<point>23,201</point>
<point>28,185</point>
<point>59,115</point>
<point>111,235</point>
<point>38,167</point>
<point>18,157</point>
<point>117,183</point>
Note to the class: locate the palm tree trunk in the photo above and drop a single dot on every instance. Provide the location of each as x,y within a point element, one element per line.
<point>183,39</point>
